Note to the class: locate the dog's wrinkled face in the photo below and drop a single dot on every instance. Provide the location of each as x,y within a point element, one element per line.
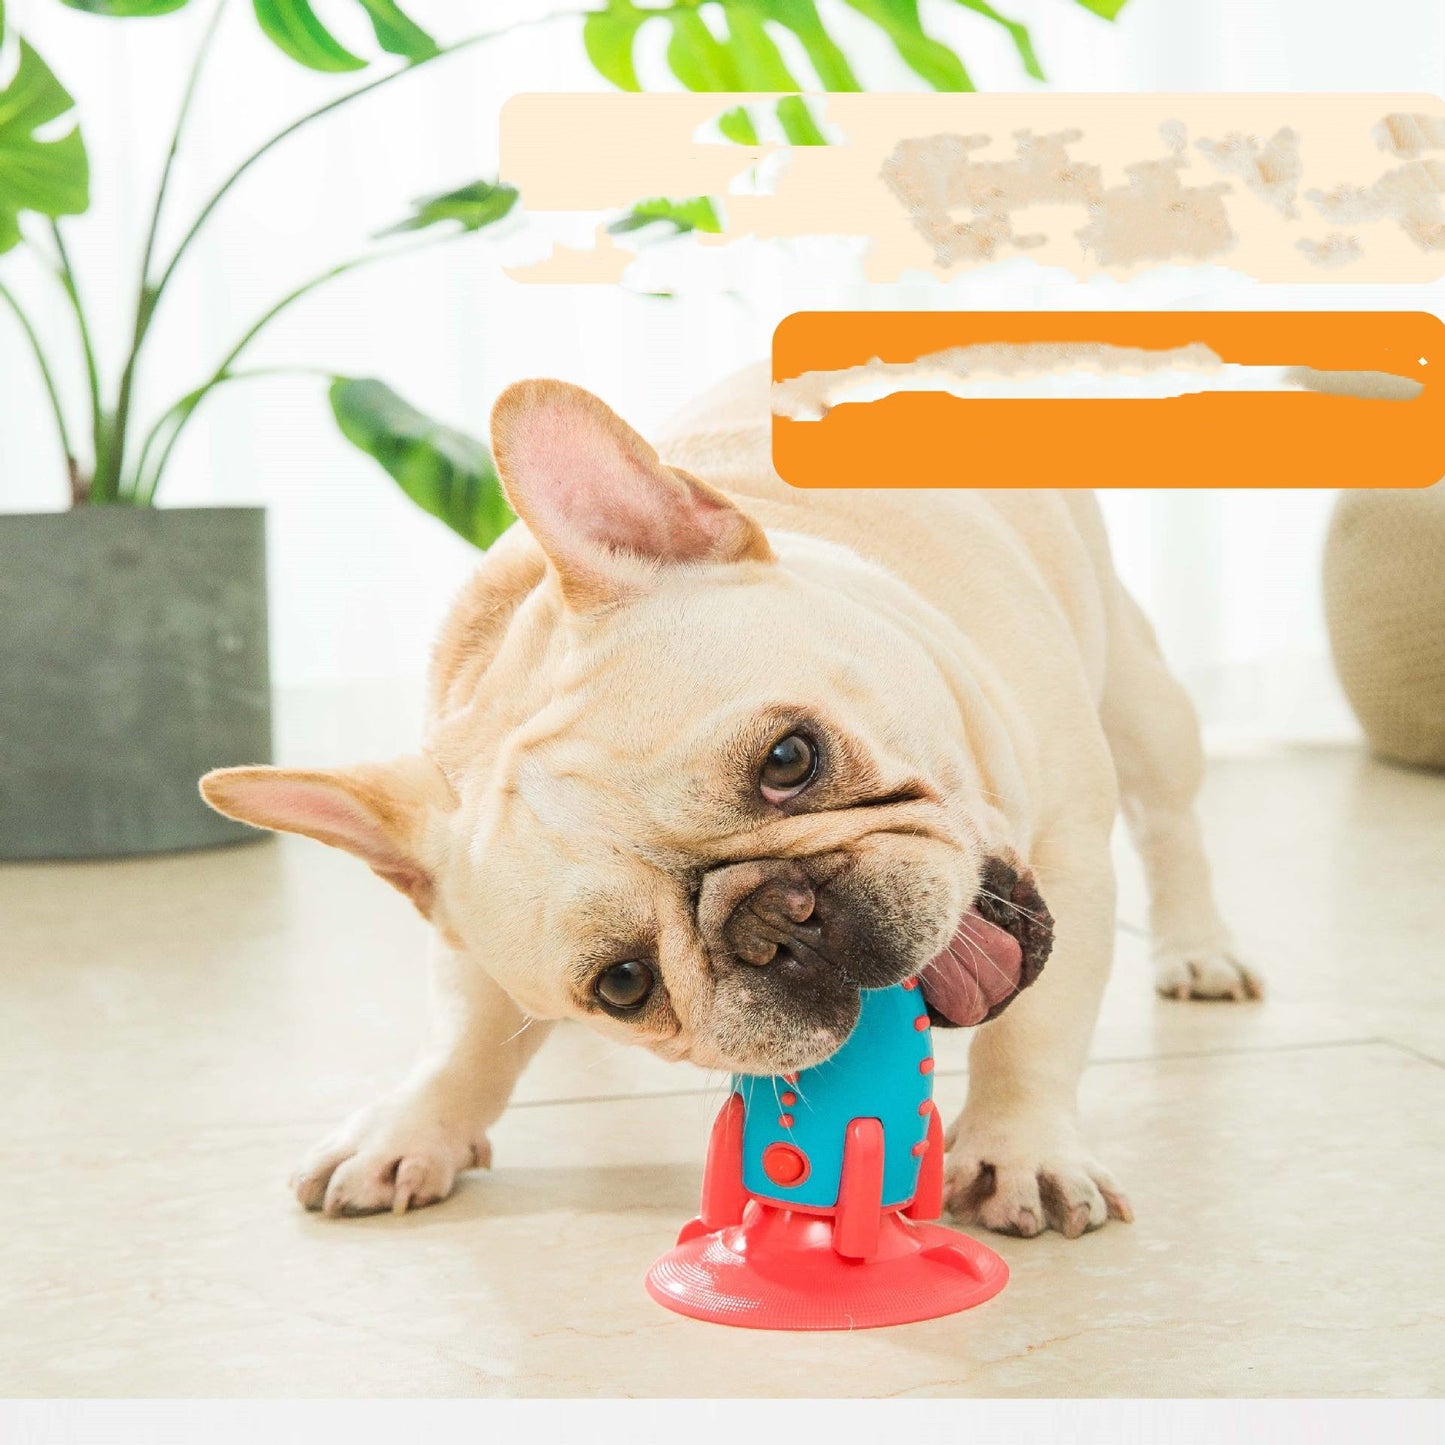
<point>721,828</point>
<point>709,787</point>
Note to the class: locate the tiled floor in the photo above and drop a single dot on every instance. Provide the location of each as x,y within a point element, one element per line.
<point>178,1030</point>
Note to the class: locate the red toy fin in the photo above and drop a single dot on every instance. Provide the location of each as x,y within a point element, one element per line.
<point>692,1230</point>
<point>860,1195</point>
<point>723,1195</point>
<point>928,1198</point>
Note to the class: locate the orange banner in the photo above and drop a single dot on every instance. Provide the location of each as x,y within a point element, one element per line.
<point>1251,399</point>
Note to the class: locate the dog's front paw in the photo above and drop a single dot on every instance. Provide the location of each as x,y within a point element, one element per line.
<point>401,1153</point>
<point>1205,974</point>
<point>1025,1176</point>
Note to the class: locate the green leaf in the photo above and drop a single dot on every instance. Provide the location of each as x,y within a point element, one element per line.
<point>696,213</point>
<point>396,32</point>
<point>444,471</point>
<point>608,36</point>
<point>697,57</point>
<point>802,18</point>
<point>1106,8</point>
<point>127,7</point>
<point>798,124</point>
<point>292,26</point>
<point>928,58</point>
<point>760,64</point>
<point>737,126</point>
<point>50,177</point>
<point>480,204</point>
<point>1018,33</point>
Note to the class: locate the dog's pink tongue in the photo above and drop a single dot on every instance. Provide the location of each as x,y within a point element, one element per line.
<point>980,969</point>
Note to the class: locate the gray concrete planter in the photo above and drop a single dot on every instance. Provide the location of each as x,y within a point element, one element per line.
<point>132,659</point>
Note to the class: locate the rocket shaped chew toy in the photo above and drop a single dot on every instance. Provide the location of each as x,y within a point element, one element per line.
<point>817,1192</point>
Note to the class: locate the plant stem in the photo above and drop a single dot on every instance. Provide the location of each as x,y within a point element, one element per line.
<point>312,115</point>
<point>192,80</point>
<point>151,293</point>
<point>108,466</point>
<point>66,272</point>
<point>72,467</point>
<point>143,494</point>
<point>143,488</point>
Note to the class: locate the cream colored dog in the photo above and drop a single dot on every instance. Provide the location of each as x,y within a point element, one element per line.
<point>706,757</point>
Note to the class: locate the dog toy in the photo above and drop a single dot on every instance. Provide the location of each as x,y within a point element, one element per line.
<point>818,1191</point>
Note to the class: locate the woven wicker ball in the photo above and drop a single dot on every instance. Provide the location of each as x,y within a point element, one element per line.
<point>1385,606</point>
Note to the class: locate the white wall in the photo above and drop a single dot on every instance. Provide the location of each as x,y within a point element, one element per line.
<point>359,576</point>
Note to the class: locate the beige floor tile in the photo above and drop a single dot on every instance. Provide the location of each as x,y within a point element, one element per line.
<point>1330,869</point>
<point>1283,1247</point>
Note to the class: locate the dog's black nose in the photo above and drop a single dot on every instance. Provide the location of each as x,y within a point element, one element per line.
<point>772,917</point>
<point>751,912</point>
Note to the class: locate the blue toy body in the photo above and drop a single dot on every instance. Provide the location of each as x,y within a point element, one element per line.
<point>882,1072</point>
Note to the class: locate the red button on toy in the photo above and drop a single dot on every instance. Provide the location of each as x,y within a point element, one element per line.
<point>921,1022</point>
<point>788,1100</point>
<point>784,1164</point>
<point>785,1121</point>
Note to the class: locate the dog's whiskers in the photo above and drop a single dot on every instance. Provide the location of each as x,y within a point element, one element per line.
<point>514,1037</point>
<point>983,956</point>
<point>1009,903</point>
<point>1003,974</point>
<point>611,1053</point>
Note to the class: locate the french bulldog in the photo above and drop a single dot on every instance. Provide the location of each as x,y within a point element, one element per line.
<point>707,755</point>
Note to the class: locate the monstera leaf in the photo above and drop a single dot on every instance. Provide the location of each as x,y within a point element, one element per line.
<point>293,26</point>
<point>608,36</point>
<point>733,49</point>
<point>928,58</point>
<point>127,7</point>
<point>51,177</point>
<point>802,18</point>
<point>397,33</point>
<point>1019,34</point>
<point>472,207</point>
<point>444,471</point>
<point>696,213</point>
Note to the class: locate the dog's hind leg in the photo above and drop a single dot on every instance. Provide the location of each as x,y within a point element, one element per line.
<point>406,1150</point>
<point>1154,736</point>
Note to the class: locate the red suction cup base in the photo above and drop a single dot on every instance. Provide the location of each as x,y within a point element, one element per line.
<point>778,1270</point>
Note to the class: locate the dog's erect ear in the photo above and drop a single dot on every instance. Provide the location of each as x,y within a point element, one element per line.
<point>377,811</point>
<point>600,503</point>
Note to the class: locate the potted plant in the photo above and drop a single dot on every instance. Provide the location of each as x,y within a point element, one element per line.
<point>133,642</point>
<point>133,638</point>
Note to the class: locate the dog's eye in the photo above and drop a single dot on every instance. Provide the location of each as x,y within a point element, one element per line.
<point>625,985</point>
<point>788,767</point>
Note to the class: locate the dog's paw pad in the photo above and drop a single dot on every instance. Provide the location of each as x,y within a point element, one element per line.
<point>1206,974</point>
<point>1067,1192</point>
